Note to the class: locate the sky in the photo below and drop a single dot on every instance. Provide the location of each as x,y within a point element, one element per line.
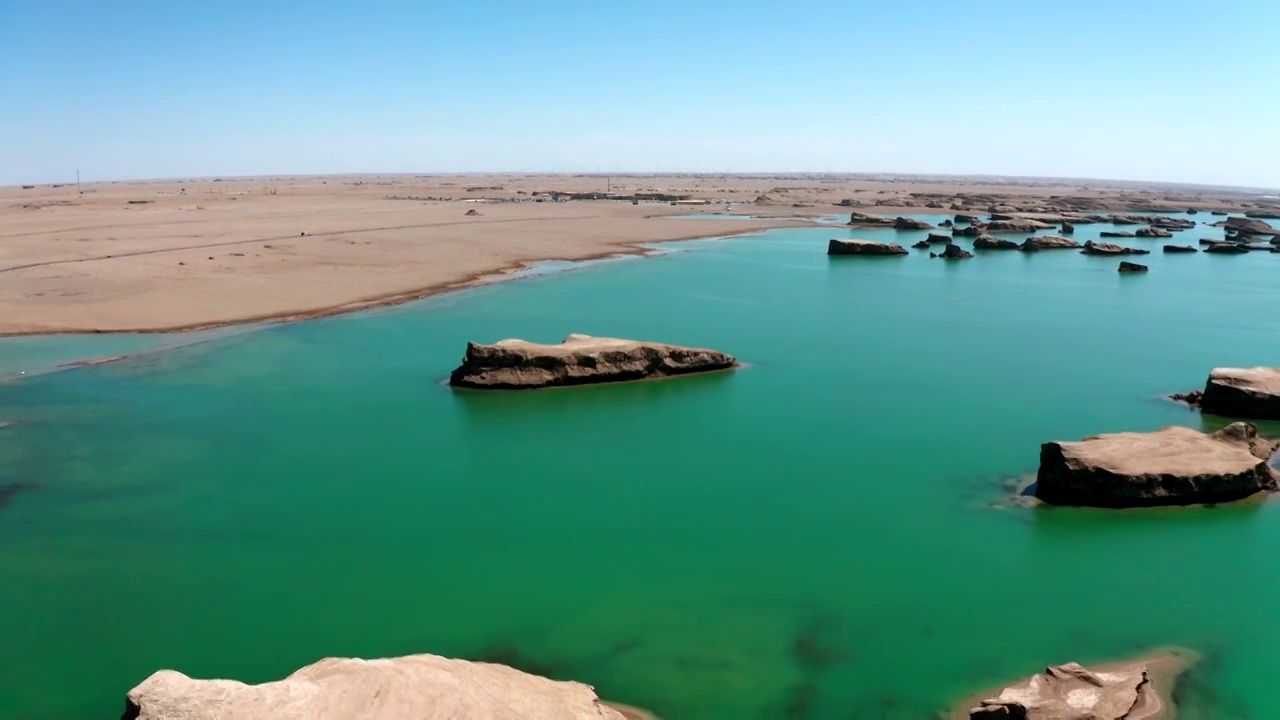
<point>1164,90</point>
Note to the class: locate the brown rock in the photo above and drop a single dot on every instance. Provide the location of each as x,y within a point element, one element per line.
<point>1153,232</point>
<point>986,242</point>
<point>1093,248</point>
<point>963,218</point>
<point>1263,214</point>
<point>1112,234</point>
<point>863,247</point>
<point>1243,393</point>
<point>1068,228</point>
<point>1226,248</point>
<point>922,245</point>
<point>1139,689</point>
<point>1017,225</point>
<point>1191,398</point>
<point>946,223</point>
<point>903,223</point>
<point>579,360</point>
<point>1249,226</point>
<point>973,230</point>
<point>1128,267</point>
<point>1179,249</point>
<point>936,238</point>
<point>472,212</point>
<point>1173,466</point>
<point>424,687</point>
<point>862,219</point>
<point>955,252</point>
<point>1048,242</point>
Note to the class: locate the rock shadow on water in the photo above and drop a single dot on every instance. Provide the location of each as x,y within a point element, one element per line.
<point>9,491</point>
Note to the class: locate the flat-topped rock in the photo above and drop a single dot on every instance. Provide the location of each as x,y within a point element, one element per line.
<point>864,247</point>
<point>1140,689</point>
<point>1179,249</point>
<point>986,242</point>
<point>1111,234</point>
<point>1132,267</point>
<point>579,360</point>
<point>973,230</point>
<point>867,220</point>
<point>1249,226</point>
<point>905,223</point>
<point>1173,466</point>
<point>1243,393</point>
<point>1093,248</point>
<point>1153,232</point>
<point>1225,248</point>
<point>423,687</point>
<point>1016,225</point>
<point>940,239</point>
<point>1068,228</point>
<point>1048,242</point>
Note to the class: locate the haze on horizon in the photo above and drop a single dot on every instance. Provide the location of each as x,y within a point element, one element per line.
<point>1171,91</point>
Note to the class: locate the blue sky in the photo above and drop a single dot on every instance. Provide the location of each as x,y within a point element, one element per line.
<point>1125,89</point>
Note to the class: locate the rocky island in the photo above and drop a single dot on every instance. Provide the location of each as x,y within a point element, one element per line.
<point>579,360</point>
<point>1173,466</point>
<point>1140,689</point>
<point>1243,393</point>
<point>864,247</point>
<point>416,686</point>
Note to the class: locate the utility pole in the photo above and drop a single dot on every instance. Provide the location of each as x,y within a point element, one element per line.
<point>78,190</point>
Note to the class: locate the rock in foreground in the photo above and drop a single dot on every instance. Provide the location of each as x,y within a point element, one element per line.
<point>864,247</point>
<point>1138,689</point>
<point>1179,249</point>
<point>1131,267</point>
<point>579,360</point>
<point>1173,466</point>
<point>416,686</point>
<point>1243,393</point>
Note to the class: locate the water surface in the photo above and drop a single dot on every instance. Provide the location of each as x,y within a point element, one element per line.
<point>811,537</point>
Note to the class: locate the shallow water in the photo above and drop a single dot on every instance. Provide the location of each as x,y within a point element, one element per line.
<point>811,536</point>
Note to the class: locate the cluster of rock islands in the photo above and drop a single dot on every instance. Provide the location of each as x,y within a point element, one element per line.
<point>1173,466</point>
<point>1240,235</point>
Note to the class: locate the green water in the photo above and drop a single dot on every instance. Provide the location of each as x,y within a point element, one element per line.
<point>811,536</point>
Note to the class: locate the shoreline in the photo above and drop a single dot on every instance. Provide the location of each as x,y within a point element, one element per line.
<point>501,274</point>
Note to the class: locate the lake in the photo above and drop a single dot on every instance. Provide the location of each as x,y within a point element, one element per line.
<point>824,533</point>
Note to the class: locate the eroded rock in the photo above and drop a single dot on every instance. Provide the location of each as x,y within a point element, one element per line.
<point>579,360</point>
<point>417,686</point>
<point>1179,249</point>
<point>986,242</point>
<point>1131,267</point>
<point>904,223</point>
<point>1048,242</point>
<point>864,247</point>
<point>866,220</point>
<point>1252,393</point>
<point>1140,689</point>
<point>1173,466</point>
<point>1016,225</point>
<point>1093,248</point>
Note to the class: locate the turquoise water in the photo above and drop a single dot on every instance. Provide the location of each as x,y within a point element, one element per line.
<point>812,536</point>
